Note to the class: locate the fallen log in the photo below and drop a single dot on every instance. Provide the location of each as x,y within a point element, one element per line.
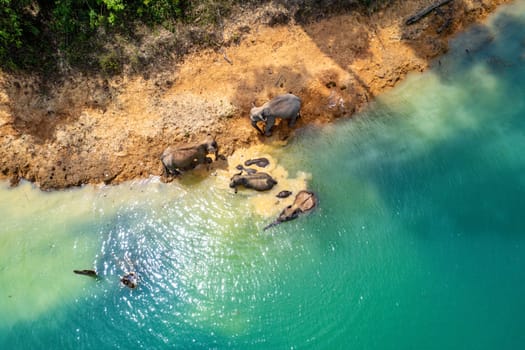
<point>421,14</point>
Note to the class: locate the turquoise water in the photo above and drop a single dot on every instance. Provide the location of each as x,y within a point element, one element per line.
<point>418,240</point>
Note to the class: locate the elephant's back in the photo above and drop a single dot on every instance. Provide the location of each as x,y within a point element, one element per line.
<point>305,200</point>
<point>285,105</point>
<point>174,155</point>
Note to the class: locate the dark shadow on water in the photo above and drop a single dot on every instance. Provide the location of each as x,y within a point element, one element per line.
<point>486,198</point>
<point>483,199</point>
<point>467,182</point>
<point>499,48</point>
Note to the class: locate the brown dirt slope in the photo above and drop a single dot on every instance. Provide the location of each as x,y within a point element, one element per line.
<point>93,130</point>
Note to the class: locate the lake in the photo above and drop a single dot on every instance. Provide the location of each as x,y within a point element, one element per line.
<point>418,239</point>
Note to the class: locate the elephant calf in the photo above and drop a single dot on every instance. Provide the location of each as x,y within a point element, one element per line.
<point>256,181</point>
<point>304,201</point>
<point>177,160</point>
<point>285,106</point>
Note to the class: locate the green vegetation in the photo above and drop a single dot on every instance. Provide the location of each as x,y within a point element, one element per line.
<point>88,34</point>
<point>32,31</point>
<point>15,28</point>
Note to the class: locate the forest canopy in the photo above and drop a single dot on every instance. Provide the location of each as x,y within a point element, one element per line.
<point>39,33</point>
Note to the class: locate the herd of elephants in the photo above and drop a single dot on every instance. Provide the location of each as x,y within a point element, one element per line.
<point>177,160</point>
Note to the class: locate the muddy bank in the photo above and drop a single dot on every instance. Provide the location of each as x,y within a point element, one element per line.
<point>92,130</point>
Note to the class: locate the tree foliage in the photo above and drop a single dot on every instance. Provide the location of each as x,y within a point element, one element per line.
<point>61,24</point>
<point>38,33</point>
<point>15,25</point>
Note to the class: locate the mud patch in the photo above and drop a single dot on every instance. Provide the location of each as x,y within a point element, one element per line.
<point>265,204</point>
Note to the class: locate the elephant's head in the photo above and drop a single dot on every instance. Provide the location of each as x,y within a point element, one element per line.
<point>212,148</point>
<point>237,180</point>
<point>289,213</point>
<point>259,114</point>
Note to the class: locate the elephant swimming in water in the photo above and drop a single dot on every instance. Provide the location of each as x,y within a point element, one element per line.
<point>130,280</point>
<point>187,157</point>
<point>256,181</point>
<point>285,106</point>
<point>304,201</point>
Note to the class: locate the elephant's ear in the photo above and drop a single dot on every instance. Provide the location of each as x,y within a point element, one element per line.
<point>265,114</point>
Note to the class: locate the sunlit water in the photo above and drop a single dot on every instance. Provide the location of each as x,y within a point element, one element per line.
<point>418,240</point>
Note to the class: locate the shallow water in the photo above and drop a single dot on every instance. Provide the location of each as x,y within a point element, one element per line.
<point>418,240</point>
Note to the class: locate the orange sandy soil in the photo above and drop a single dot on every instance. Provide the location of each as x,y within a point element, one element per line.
<point>93,130</point>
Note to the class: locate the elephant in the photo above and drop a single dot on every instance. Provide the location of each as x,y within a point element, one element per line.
<point>285,106</point>
<point>187,157</point>
<point>260,162</point>
<point>90,273</point>
<point>130,280</point>
<point>283,194</point>
<point>257,181</point>
<point>247,170</point>
<point>304,201</point>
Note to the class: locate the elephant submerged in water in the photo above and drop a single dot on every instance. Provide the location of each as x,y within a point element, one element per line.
<point>260,162</point>
<point>304,202</point>
<point>179,159</point>
<point>285,106</point>
<point>257,181</point>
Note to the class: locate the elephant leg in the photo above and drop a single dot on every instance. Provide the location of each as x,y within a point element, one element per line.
<point>269,125</point>
<point>172,172</point>
<point>166,170</point>
<point>208,161</point>
<point>292,121</point>
<point>254,124</point>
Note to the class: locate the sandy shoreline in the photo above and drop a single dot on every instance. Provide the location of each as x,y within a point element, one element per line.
<point>93,130</point>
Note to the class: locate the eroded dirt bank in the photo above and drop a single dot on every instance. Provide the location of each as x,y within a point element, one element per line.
<point>94,130</point>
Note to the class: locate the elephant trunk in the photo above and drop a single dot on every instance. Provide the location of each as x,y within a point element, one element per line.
<point>254,124</point>
<point>275,223</point>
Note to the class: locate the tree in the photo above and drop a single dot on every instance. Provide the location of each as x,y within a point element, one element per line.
<point>15,24</point>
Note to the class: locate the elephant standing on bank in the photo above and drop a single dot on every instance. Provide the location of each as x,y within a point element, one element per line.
<point>285,106</point>
<point>179,159</point>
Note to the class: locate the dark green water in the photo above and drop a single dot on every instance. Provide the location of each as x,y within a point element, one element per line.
<point>418,241</point>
